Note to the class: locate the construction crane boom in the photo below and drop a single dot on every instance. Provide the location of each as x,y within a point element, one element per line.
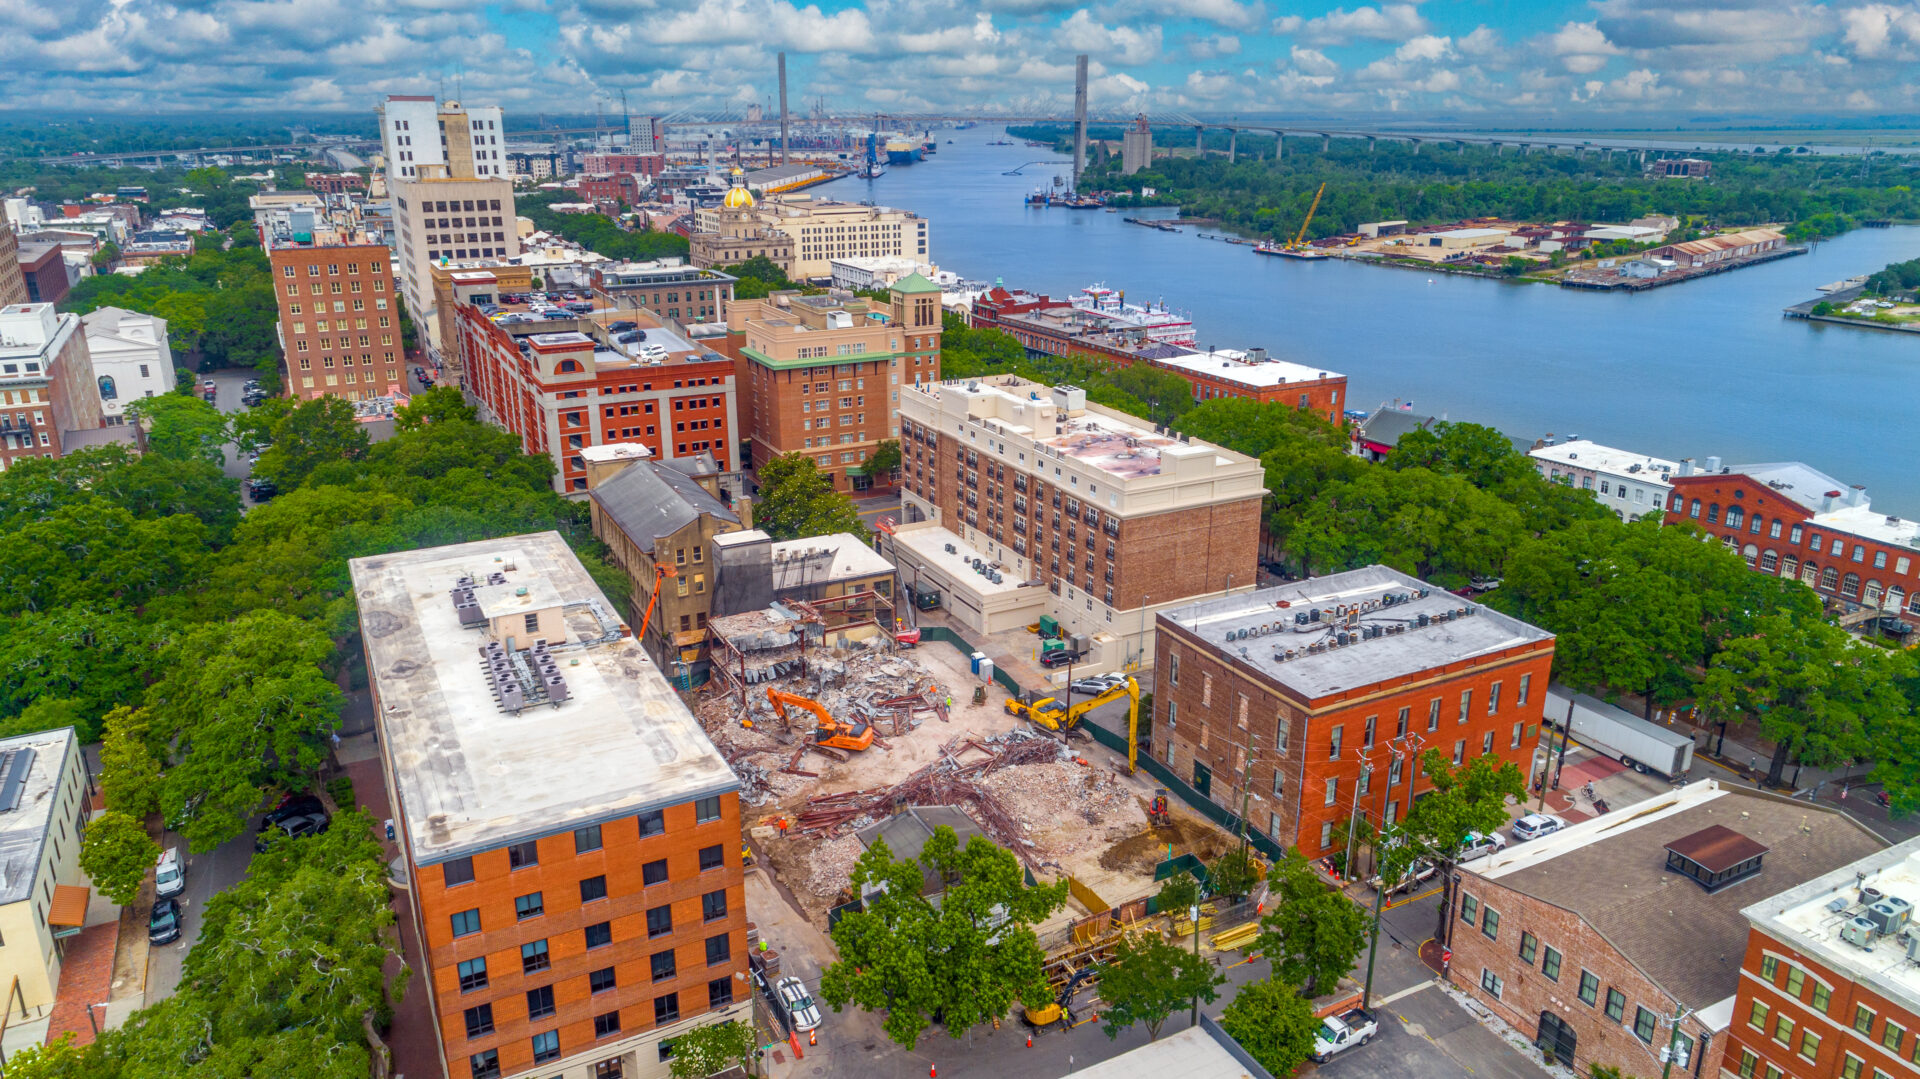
<point>1048,713</point>
<point>1301,236</point>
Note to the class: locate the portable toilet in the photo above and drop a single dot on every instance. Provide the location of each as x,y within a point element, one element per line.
<point>977,659</point>
<point>985,667</point>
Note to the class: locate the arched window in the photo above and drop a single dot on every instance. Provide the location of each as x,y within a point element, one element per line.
<point>1769,562</point>
<point>1713,513</point>
<point>1810,574</point>
<point>1790,568</point>
<point>1679,503</point>
<point>1850,585</point>
<point>108,391</point>
<point>1696,507</point>
<point>1754,527</point>
<point>1913,603</point>
<point>568,367</point>
<point>1895,598</point>
<point>1829,579</point>
<point>1872,596</point>
<point>1729,543</point>
<point>1750,553</point>
<point>1735,517</point>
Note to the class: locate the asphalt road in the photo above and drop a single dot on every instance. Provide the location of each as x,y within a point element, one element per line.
<point>207,875</point>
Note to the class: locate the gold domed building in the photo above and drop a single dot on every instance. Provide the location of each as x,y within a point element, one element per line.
<point>738,197</point>
<point>740,234</point>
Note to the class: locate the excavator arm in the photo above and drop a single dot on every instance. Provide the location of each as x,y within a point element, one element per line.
<point>827,730</point>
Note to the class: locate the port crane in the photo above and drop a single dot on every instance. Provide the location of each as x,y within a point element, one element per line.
<point>1300,238</point>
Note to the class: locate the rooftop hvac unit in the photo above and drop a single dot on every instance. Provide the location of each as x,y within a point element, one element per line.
<point>1344,638</point>
<point>511,698</point>
<point>470,614</point>
<point>1889,916</point>
<point>1835,906</point>
<point>1425,620</point>
<point>951,550</point>
<point>1869,895</point>
<point>556,688</point>
<point>1858,932</point>
<point>1913,949</point>
<point>1422,593</point>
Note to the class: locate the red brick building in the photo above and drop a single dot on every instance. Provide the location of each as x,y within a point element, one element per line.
<point>1791,520</point>
<point>565,384</point>
<point>617,188</point>
<point>44,270</point>
<point>1590,940</point>
<point>47,391</point>
<point>1254,376</point>
<point>1312,702</point>
<point>1818,1004</point>
<point>339,316</point>
<point>648,165</point>
<point>570,836</point>
<point>335,183</point>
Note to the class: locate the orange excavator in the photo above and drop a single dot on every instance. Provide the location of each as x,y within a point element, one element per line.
<point>828,731</point>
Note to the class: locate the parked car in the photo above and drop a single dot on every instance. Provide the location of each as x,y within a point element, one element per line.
<point>1091,687</point>
<point>169,873</point>
<point>163,924</point>
<point>653,352</point>
<point>292,828</point>
<point>623,324</point>
<point>261,490</point>
<point>580,307</point>
<point>1339,1033</point>
<point>1421,871</point>
<point>631,336</point>
<point>798,1003</point>
<point>1535,825</point>
<point>1479,846</point>
<point>293,805</point>
<point>1059,657</point>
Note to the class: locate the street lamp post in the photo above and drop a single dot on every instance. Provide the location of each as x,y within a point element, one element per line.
<point>1193,912</point>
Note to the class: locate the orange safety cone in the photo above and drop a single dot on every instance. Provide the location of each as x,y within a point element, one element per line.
<point>1029,1041</point>
<point>813,1036</point>
<point>933,1072</point>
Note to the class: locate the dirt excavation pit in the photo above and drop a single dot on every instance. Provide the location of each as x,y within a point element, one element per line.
<point>1140,852</point>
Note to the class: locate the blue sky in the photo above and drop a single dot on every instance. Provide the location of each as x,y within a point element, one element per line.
<point>1562,62</point>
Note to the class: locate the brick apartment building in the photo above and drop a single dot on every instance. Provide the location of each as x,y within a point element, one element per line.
<point>1589,940</point>
<point>1789,519</point>
<point>43,268</point>
<point>571,839</point>
<point>48,396</point>
<point>1113,518</point>
<point>13,288</point>
<point>671,288</point>
<point>822,375</point>
<point>1254,376</point>
<point>1313,701</point>
<point>339,314</point>
<point>564,384</point>
<point>336,183</point>
<point>620,188</point>
<point>1814,1004</point>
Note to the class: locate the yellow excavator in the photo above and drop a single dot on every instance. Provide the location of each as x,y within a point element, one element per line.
<point>1049,713</point>
<point>827,731</point>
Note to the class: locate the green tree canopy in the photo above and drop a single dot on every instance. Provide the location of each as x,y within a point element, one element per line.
<point>711,1048</point>
<point>796,499</point>
<point>963,962</point>
<point>117,854</point>
<point>1148,979</point>
<point>308,436</point>
<point>1468,800</point>
<point>1313,933</point>
<point>1274,1023</point>
<point>182,428</point>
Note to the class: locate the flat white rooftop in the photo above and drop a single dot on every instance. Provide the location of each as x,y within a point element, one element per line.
<point>1583,453</point>
<point>472,777</point>
<point>1872,524</point>
<point>931,547</point>
<point>1805,918</point>
<point>1259,629</point>
<point>1232,366</point>
<point>847,557</point>
<point>1202,1052</point>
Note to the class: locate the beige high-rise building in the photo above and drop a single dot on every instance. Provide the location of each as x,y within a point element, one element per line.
<point>448,181</point>
<point>822,231</point>
<point>13,287</point>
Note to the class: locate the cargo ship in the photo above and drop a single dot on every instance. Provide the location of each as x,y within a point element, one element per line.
<point>903,151</point>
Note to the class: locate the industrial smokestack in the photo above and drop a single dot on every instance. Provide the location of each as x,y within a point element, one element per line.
<point>783,109</point>
<point>1079,117</point>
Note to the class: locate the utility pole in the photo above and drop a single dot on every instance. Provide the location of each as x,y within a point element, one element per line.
<point>1680,1014</point>
<point>1408,751</point>
<point>1193,912</point>
<point>1566,730</point>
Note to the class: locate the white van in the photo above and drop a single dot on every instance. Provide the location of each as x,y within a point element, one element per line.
<point>169,874</point>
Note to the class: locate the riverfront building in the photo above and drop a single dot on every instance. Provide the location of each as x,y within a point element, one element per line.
<point>1790,519</point>
<point>1630,484</point>
<point>1255,376</point>
<point>1590,940</point>
<point>822,375</point>
<point>569,836</point>
<point>820,230</point>
<point>1312,702</point>
<point>1073,510</point>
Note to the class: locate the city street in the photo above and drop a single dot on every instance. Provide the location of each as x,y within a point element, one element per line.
<point>207,875</point>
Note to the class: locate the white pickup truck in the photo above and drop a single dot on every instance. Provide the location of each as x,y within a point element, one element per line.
<point>1338,1033</point>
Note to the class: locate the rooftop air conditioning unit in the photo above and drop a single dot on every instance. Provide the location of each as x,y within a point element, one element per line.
<point>1913,949</point>
<point>1858,932</point>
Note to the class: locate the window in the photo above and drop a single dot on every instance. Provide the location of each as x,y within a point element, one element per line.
<point>1326,831</point>
<point>531,905</point>
<point>600,934</point>
<point>1333,791</point>
<point>1796,981</point>
<point>466,923</point>
<point>546,1046</point>
<point>1491,982</point>
<point>479,1020</point>
<point>1748,1062</point>
<point>1809,1044</point>
<point>654,872</point>
<point>1589,988</point>
<point>1529,945</point>
<point>1892,1035</point>
<point>1433,714</point>
<point>458,871</point>
<point>1459,752</point>
<point>1526,683</point>
<point>533,623</point>
<point>652,823</point>
<point>1466,704</point>
<point>1469,910</point>
<point>586,839</point>
<point>1493,699</point>
<point>1490,924</point>
<point>659,921</point>
<point>1850,1066</point>
<point>1783,1029</point>
<point>719,992</point>
<point>593,888</point>
<point>712,857</point>
<point>606,1024</point>
<point>719,950</point>
<point>1757,1018</point>
<point>600,980</point>
<point>666,1009</point>
<point>1862,1019</point>
<point>713,905</point>
<point>473,975</point>
<point>1644,1023</point>
<point>1550,963</point>
<point>522,855</point>
<point>706,809</point>
<point>662,965</point>
<point>1616,1005</point>
<point>533,957</point>
<point>485,1065</point>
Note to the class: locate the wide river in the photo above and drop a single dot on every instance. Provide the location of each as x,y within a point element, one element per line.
<point>1707,367</point>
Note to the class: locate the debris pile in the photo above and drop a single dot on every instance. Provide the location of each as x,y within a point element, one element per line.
<point>1064,809</point>
<point>958,777</point>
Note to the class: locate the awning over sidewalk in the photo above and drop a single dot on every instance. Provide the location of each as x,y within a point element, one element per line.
<point>69,910</point>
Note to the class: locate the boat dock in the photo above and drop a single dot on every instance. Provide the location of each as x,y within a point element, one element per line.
<point>1152,224</point>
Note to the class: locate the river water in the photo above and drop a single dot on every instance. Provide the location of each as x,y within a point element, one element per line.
<point>1706,367</point>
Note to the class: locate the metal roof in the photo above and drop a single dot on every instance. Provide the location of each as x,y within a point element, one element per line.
<point>648,500</point>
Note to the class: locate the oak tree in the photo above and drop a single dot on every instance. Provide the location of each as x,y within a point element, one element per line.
<point>1148,979</point>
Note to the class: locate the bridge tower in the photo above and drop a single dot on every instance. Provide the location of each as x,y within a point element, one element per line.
<point>1079,117</point>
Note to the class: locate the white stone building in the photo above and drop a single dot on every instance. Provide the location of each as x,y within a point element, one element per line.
<point>131,359</point>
